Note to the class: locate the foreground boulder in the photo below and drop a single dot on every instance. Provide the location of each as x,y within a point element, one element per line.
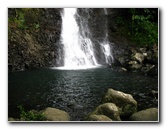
<point>150,114</point>
<point>106,111</point>
<point>125,102</point>
<point>11,119</point>
<point>53,114</point>
<point>94,117</point>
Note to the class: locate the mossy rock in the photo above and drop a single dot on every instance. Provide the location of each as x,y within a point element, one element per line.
<point>126,104</point>
<point>105,111</point>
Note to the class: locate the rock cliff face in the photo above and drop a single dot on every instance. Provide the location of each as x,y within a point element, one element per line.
<point>33,35</point>
<point>34,40</point>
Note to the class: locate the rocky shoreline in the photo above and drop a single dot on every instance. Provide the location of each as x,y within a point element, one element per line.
<point>115,106</point>
<point>137,59</point>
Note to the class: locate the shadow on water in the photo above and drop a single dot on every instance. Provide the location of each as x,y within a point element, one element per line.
<point>77,92</point>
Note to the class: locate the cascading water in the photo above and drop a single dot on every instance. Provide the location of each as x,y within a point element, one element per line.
<point>77,42</point>
<point>78,48</point>
<point>105,45</point>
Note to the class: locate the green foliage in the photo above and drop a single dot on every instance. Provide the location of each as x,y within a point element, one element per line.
<point>141,27</point>
<point>25,19</point>
<point>20,21</point>
<point>30,116</point>
<point>119,21</point>
<point>37,25</point>
<point>143,30</point>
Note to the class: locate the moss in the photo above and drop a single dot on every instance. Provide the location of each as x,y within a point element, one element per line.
<point>128,109</point>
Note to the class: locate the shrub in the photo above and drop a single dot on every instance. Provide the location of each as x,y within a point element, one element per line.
<point>30,115</point>
<point>139,25</point>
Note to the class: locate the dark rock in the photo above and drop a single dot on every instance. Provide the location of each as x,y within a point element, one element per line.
<point>150,70</point>
<point>133,50</point>
<point>150,114</point>
<point>123,60</point>
<point>154,94</point>
<point>142,95</point>
<point>125,102</point>
<point>122,69</point>
<point>143,50</point>
<point>151,58</point>
<point>27,47</point>
<point>116,63</point>
<point>136,66</point>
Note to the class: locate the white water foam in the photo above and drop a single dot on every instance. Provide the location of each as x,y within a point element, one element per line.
<point>78,49</point>
<point>77,68</point>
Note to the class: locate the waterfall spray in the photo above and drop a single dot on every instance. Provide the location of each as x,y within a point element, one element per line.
<point>76,37</point>
<point>78,49</point>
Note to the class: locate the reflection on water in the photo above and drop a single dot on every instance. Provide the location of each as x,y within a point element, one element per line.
<point>76,91</point>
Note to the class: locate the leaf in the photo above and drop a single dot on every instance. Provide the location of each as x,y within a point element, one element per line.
<point>37,26</point>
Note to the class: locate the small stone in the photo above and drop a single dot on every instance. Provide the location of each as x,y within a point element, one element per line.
<point>139,57</point>
<point>142,50</point>
<point>136,66</point>
<point>154,94</point>
<point>123,69</point>
<point>145,54</point>
<point>132,62</point>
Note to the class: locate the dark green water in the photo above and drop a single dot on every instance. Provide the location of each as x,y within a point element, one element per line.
<point>77,92</point>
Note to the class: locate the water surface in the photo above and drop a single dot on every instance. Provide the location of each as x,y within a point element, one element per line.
<point>77,92</point>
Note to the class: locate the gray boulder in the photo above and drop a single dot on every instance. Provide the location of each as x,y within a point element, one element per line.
<point>150,114</point>
<point>53,114</point>
<point>125,102</point>
<point>107,109</point>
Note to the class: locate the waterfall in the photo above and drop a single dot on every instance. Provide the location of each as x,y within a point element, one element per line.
<point>106,45</point>
<point>77,42</point>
